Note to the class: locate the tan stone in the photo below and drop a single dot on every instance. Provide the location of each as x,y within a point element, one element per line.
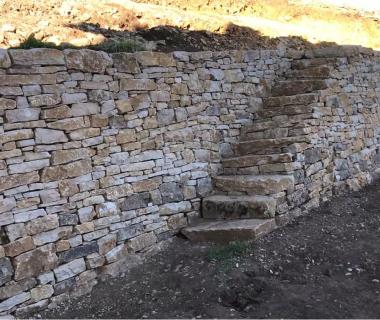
<point>59,112</point>
<point>136,84</point>
<point>16,180</point>
<point>68,124</point>
<point>63,245</point>
<point>33,263</point>
<point>15,135</point>
<point>38,56</point>
<point>42,224</point>
<point>19,246</point>
<point>147,184</point>
<point>44,100</point>
<point>71,170</point>
<point>84,133</point>
<point>7,104</point>
<point>41,292</point>
<point>99,121</point>
<point>87,60</point>
<point>22,79</point>
<point>5,61</point>
<point>124,106</point>
<point>150,58</point>
<point>65,156</point>
<point>68,188</point>
<point>125,62</point>
<point>141,242</point>
<point>125,136</point>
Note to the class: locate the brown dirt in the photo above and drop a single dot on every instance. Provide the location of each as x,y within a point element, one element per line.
<point>322,265</point>
<point>195,25</point>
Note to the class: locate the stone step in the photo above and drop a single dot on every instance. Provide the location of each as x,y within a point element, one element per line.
<point>286,110</point>
<point>256,160</point>
<point>255,184</point>
<point>295,87</point>
<point>267,146</point>
<point>224,231</point>
<point>238,207</point>
<point>316,72</point>
<point>282,101</point>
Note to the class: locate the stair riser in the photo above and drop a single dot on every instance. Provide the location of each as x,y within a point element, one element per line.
<point>312,63</point>
<point>251,161</point>
<point>237,210</point>
<point>263,187</point>
<point>302,99</point>
<point>290,88</point>
<point>321,72</point>
<point>228,235</point>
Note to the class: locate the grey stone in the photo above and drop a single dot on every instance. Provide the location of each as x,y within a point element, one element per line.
<point>70,269</point>
<point>171,192</point>
<point>165,117</point>
<point>50,136</point>
<point>22,115</point>
<point>130,232</point>
<point>68,219</point>
<point>78,252</point>
<point>6,270</point>
<point>136,201</point>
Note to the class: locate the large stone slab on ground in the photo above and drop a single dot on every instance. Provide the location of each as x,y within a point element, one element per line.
<point>228,230</point>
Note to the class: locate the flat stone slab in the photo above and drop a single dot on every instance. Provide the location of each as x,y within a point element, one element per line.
<point>229,230</point>
<point>235,207</point>
<point>255,184</point>
<point>256,160</point>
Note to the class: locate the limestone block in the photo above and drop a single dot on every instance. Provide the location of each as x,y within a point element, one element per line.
<point>125,62</point>
<point>175,207</point>
<point>19,246</point>
<point>5,61</point>
<point>37,56</point>
<point>52,235</point>
<point>70,170</point>
<point>107,243</point>
<point>15,180</point>
<point>49,136</point>
<point>22,115</point>
<point>87,60</point>
<point>135,84</point>
<point>33,263</point>
<point>70,98</point>
<point>84,109</point>
<point>141,242</point>
<point>28,166</point>
<point>41,292</point>
<point>14,301</point>
<point>70,269</point>
<point>106,209</point>
<point>79,252</point>
<point>44,100</point>
<point>150,58</point>
<point>65,156</point>
<point>29,215</point>
<point>6,270</point>
<point>7,104</point>
<point>7,204</point>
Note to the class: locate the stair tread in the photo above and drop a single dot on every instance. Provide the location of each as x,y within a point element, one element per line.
<point>255,184</point>
<point>295,87</point>
<point>228,230</point>
<point>297,99</point>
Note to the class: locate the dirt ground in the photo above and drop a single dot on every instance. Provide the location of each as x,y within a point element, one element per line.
<point>325,264</point>
<point>167,25</point>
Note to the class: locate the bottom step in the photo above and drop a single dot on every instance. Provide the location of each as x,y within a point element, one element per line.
<point>223,231</point>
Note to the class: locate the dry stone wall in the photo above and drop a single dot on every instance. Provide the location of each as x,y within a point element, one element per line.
<point>103,156</point>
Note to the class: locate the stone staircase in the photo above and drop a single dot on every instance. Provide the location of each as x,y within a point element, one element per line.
<point>257,181</point>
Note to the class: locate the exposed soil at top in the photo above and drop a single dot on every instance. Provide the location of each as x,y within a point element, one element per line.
<point>197,25</point>
<point>325,264</point>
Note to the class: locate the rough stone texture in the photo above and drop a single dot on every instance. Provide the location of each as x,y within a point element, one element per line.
<point>109,154</point>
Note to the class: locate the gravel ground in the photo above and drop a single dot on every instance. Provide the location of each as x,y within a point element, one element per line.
<point>325,264</point>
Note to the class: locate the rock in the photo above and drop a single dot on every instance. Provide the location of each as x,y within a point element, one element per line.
<point>130,232</point>
<point>84,109</point>
<point>141,242</point>
<point>49,196</point>
<point>68,219</point>
<point>39,56</point>
<point>147,184</point>
<point>117,253</point>
<point>6,270</point>
<point>65,286</point>
<point>234,75</point>
<point>44,100</point>
<point>106,209</point>
<point>136,201</point>
<point>58,112</point>
<point>173,208</point>
<point>43,224</point>
<point>87,60</point>
<point>137,84</point>
<point>86,214</point>
<point>65,156</point>
<point>14,288</point>
<point>125,62</point>
<point>7,104</point>
<point>7,204</point>
<point>49,136</point>
<point>14,301</point>
<point>15,180</point>
<point>22,115</point>
<point>28,166</point>
<point>165,117</point>
<point>52,235</point>
<point>70,98</point>
<point>19,246</point>
<point>107,243</point>
<point>70,269</point>
<point>71,170</point>
<point>5,61</point>
<point>33,263</point>
<point>29,215</point>
<point>171,192</point>
<point>312,155</point>
<point>41,292</point>
<point>125,136</point>
<point>150,58</point>
<point>78,252</point>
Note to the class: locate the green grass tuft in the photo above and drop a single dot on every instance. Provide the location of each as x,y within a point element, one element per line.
<point>118,46</point>
<point>32,42</point>
<point>228,252</point>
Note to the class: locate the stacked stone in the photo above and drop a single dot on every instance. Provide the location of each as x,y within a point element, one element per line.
<point>103,156</point>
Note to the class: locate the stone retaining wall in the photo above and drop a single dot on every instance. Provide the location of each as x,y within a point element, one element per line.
<point>103,156</point>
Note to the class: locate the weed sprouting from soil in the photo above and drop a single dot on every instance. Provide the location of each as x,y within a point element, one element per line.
<point>118,46</point>
<point>226,255</point>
